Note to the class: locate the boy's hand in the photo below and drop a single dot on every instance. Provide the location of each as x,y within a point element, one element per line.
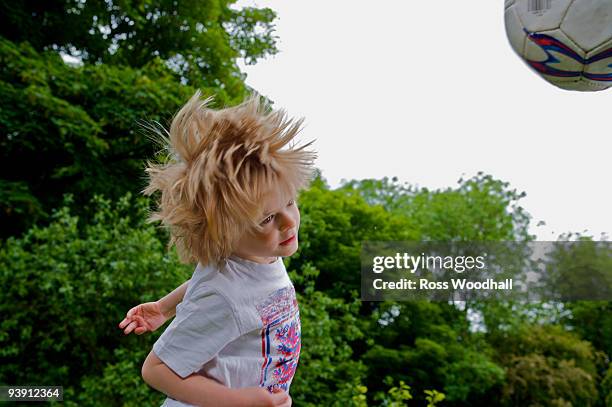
<point>143,318</point>
<point>259,397</point>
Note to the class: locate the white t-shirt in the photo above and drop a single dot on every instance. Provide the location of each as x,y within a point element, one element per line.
<point>239,325</point>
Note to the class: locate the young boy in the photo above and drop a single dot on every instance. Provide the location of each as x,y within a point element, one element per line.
<point>228,198</point>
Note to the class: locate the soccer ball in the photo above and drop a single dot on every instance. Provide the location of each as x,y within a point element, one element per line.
<point>568,42</point>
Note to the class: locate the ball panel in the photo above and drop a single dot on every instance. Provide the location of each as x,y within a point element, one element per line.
<point>581,85</point>
<point>575,84</point>
<point>587,23</point>
<point>554,56</point>
<point>514,31</point>
<point>543,19</point>
<point>598,66</point>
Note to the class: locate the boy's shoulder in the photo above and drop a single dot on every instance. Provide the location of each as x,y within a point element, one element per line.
<point>239,281</point>
<point>244,285</point>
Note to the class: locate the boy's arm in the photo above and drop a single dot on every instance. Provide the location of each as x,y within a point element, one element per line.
<point>201,391</point>
<point>168,303</point>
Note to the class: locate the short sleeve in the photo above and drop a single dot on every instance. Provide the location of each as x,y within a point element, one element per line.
<point>203,326</point>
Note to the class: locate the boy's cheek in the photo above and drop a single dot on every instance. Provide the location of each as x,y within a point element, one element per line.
<point>297,222</point>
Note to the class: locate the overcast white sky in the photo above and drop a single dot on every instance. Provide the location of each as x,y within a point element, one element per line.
<point>431,91</point>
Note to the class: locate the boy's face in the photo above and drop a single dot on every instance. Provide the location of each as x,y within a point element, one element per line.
<point>279,234</point>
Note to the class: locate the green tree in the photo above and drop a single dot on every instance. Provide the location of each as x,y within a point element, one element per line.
<point>74,130</point>
<point>606,386</point>
<point>592,320</point>
<point>69,283</point>
<point>200,40</point>
<point>578,269</point>
<point>329,372</point>
<point>428,345</point>
<point>547,366</point>
<point>334,224</point>
<point>66,286</point>
<point>480,208</point>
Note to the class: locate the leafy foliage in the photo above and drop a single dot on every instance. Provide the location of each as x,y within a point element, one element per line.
<point>200,40</point>
<point>549,366</point>
<point>70,282</point>
<point>75,129</point>
<point>593,321</point>
<point>328,367</point>
<point>606,386</point>
<point>66,287</point>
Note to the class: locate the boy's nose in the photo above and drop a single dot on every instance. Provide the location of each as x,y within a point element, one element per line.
<point>287,222</point>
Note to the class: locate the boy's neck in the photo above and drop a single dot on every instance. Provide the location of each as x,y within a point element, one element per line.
<point>257,259</point>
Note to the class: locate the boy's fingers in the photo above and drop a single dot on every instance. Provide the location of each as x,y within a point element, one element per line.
<point>281,399</point>
<point>125,322</point>
<point>128,318</point>
<point>130,328</point>
<point>279,396</point>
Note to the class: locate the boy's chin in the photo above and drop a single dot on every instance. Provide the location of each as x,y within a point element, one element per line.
<point>288,250</point>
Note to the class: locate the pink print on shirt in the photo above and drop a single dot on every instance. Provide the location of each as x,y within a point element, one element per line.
<point>280,338</point>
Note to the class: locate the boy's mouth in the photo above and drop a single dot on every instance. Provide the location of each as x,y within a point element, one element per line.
<point>286,242</point>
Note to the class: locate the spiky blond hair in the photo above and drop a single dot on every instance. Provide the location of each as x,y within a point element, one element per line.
<point>219,166</point>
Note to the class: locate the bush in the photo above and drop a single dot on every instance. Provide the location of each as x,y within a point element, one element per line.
<point>66,287</point>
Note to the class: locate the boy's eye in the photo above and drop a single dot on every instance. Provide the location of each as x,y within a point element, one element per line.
<point>267,220</point>
<point>270,217</point>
